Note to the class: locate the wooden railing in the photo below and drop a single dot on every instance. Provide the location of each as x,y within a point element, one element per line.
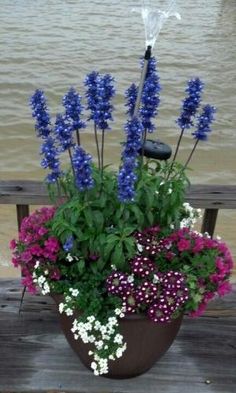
<point>210,198</point>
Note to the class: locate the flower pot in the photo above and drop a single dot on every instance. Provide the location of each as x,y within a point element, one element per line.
<point>146,343</point>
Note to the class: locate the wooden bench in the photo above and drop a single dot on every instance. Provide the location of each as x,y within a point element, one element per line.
<point>211,198</point>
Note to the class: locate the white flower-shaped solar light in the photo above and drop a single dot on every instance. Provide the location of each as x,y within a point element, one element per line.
<point>155,14</point>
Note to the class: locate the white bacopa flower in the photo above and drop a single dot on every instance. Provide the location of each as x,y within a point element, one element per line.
<point>170,191</point>
<point>69,258</point>
<point>139,247</point>
<point>68,311</point>
<point>74,292</point>
<point>36,265</point>
<point>91,318</point>
<point>130,278</point>
<point>94,366</point>
<point>61,308</point>
<point>41,280</point>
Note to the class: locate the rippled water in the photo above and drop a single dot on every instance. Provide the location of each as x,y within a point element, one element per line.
<point>53,44</point>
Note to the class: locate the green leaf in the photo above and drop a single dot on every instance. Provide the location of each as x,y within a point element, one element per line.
<point>98,220</point>
<point>117,258</point>
<point>88,216</point>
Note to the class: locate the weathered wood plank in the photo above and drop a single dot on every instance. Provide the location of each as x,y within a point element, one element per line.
<point>25,192</point>
<point>22,211</point>
<point>209,221</point>
<point>36,358</point>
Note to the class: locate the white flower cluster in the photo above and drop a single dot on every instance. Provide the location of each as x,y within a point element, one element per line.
<point>104,337</point>
<point>71,258</point>
<point>41,281</point>
<point>66,307</point>
<point>193,215</point>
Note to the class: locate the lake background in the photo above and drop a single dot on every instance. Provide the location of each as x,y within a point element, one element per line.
<point>51,45</point>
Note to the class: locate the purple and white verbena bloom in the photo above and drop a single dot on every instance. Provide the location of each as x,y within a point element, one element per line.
<point>127,176</point>
<point>191,103</point>
<point>40,112</point>
<point>82,167</point>
<point>150,96</point>
<point>204,122</point>
<point>73,109</point>
<point>100,91</point>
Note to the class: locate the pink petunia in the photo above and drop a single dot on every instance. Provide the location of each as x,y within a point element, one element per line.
<point>224,288</point>
<point>183,245</point>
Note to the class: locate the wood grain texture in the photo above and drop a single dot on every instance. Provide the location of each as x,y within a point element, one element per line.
<point>35,357</point>
<point>23,192</point>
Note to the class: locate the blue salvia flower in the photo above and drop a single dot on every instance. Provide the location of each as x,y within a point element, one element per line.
<point>191,103</point>
<point>127,176</point>
<point>68,245</point>
<point>40,113</point>
<point>131,97</point>
<point>91,93</point>
<point>50,160</point>
<point>64,133</point>
<point>204,122</point>
<point>100,90</point>
<point>73,109</point>
<point>150,96</point>
<point>82,167</point>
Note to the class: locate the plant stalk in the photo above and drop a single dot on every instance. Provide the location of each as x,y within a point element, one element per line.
<point>102,153</point>
<point>78,137</point>
<point>71,160</point>
<point>176,152</point>
<point>97,146</point>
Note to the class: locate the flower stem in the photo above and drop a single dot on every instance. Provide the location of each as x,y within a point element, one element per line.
<point>143,143</point>
<point>97,145</point>
<point>176,152</point>
<point>102,152</point>
<point>190,156</point>
<point>71,160</point>
<point>78,137</point>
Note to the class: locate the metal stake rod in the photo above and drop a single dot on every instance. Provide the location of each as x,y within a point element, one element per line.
<point>142,80</point>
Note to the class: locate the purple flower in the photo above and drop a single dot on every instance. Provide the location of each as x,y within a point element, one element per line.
<point>204,122</point>
<point>127,176</point>
<point>150,96</point>
<point>50,160</point>
<point>82,167</point>
<point>64,133</point>
<point>117,283</point>
<point>40,113</point>
<point>142,266</point>
<point>146,292</point>
<point>191,103</point>
<point>100,90</point>
<point>68,245</point>
<point>131,97</point>
<point>73,107</point>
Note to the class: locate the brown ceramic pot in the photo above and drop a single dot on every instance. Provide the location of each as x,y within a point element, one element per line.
<point>146,343</point>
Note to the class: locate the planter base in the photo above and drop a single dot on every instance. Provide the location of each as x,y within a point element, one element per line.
<point>146,343</point>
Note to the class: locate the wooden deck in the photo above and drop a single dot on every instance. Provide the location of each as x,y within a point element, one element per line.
<point>35,357</point>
